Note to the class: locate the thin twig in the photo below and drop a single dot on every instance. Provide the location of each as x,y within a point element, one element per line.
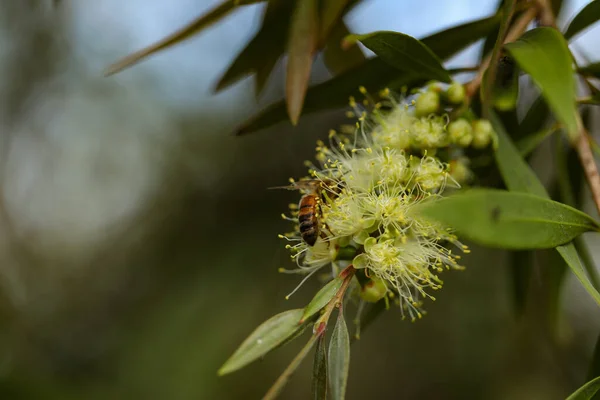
<point>582,143</point>
<point>285,376</point>
<point>584,151</point>
<point>318,331</point>
<point>494,58</point>
<point>514,33</point>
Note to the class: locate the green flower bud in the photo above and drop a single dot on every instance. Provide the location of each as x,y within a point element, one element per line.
<point>361,261</point>
<point>369,243</point>
<point>374,290</point>
<point>483,132</point>
<point>427,103</point>
<point>461,132</point>
<point>456,93</point>
<point>361,236</point>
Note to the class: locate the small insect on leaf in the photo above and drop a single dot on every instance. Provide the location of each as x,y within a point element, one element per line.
<point>269,335</point>
<point>339,358</point>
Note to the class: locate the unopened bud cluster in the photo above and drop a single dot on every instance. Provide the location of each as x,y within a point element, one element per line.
<point>369,181</point>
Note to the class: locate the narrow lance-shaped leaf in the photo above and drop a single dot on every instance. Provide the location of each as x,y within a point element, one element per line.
<point>586,17</point>
<point>182,34</point>
<point>515,178</point>
<point>587,391</point>
<point>534,120</point>
<point>515,171</point>
<point>527,144</point>
<point>403,52</point>
<point>319,380</point>
<point>510,220</point>
<point>266,337</point>
<point>594,369</point>
<point>266,47</point>
<point>544,54</point>
<point>322,297</point>
<point>330,14</point>
<point>592,70</point>
<point>302,45</point>
<point>374,74</point>
<point>339,358</point>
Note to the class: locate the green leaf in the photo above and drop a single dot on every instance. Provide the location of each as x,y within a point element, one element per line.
<point>594,370</point>
<point>322,297</point>
<point>515,171</point>
<point>319,379</point>
<point>266,337</point>
<point>511,220</point>
<point>587,391</point>
<point>520,178</point>
<point>330,13</point>
<point>265,48</point>
<point>340,60</point>
<point>534,120</point>
<point>339,358</point>
<point>403,52</point>
<point>304,33</point>
<point>527,144</point>
<point>569,253</point>
<point>586,17</point>
<point>592,70</point>
<point>374,74</point>
<point>179,36</point>
<point>544,54</point>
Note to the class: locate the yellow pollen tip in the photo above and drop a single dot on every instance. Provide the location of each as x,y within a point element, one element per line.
<point>362,89</point>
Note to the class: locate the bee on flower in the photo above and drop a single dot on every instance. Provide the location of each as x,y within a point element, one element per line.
<point>400,154</point>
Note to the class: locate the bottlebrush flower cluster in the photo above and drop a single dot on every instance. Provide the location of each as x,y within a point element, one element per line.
<point>369,181</point>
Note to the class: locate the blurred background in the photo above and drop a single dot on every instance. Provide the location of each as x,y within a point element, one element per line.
<point>138,241</point>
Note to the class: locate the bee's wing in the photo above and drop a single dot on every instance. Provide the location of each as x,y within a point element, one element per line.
<point>288,187</point>
<point>308,185</point>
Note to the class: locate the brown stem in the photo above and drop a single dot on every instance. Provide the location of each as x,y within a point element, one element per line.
<point>493,64</point>
<point>582,143</point>
<point>515,31</point>
<point>321,323</point>
<point>584,151</point>
<point>287,373</point>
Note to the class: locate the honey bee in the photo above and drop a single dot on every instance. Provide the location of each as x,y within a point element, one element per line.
<point>308,208</point>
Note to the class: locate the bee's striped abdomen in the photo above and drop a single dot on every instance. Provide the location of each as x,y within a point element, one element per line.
<point>307,218</point>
